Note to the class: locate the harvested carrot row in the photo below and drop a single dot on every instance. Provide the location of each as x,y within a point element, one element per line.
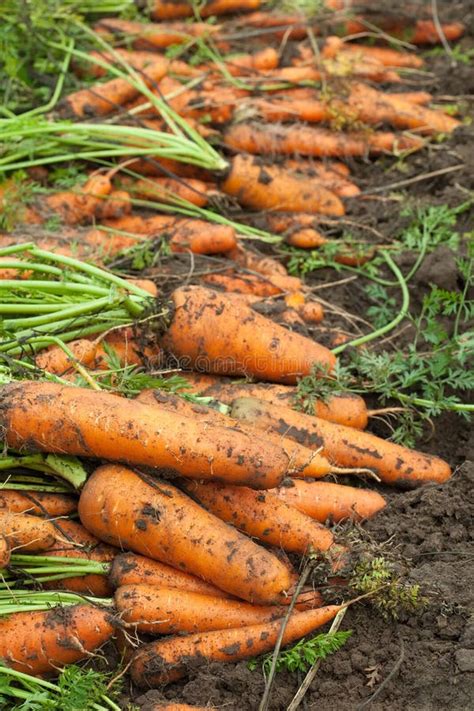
<point>167,660</point>
<point>346,446</point>
<point>157,520</point>
<point>261,515</point>
<point>36,503</point>
<point>28,533</point>
<point>271,187</point>
<point>120,430</point>
<point>325,501</point>
<point>160,611</point>
<point>150,36</point>
<point>310,141</point>
<point>218,336</point>
<point>166,10</point>
<point>62,635</point>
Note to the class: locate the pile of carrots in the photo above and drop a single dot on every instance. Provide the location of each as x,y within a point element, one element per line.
<point>182,540</point>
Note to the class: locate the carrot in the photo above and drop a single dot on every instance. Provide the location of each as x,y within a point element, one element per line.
<point>415,97</point>
<point>150,36</point>
<point>4,552</point>
<point>159,521</point>
<point>134,58</point>
<point>167,189</point>
<point>325,501</point>
<point>116,205</point>
<point>331,177</point>
<point>251,283</point>
<point>216,104</point>
<point>302,462</point>
<point>132,569</point>
<point>420,32</point>
<point>310,141</point>
<point>261,515</point>
<point>257,262</point>
<point>172,9</point>
<point>168,660</point>
<point>262,60</point>
<point>113,428</point>
<point>270,187</point>
<point>160,611</point>
<point>41,642</point>
<point>80,205</point>
<point>37,503</point>
<point>165,166</point>
<point>105,98</point>
<point>345,446</point>
<point>346,409</point>
<point>385,55</point>
<point>184,234</point>
<point>28,533</point>
<point>216,335</point>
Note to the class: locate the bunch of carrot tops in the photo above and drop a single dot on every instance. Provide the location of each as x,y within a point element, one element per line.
<point>166,511</point>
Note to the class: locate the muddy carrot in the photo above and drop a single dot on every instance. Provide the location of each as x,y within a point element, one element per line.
<point>25,532</point>
<point>167,189</point>
<point>150,36</point>
<point>310,141</point>
<point>135,59</point>
<point>76,206</point>
<point>302,462</point>
<point>159,521</point>
<point>41,642</point>
<point>133,569</point>
<point>260,515</point>
<point>331,177</point>
<point>113,428</point>
<point>4,552</point>
<point>345,446</point>
<point>257,262</point>
<point>271,187</point>
<point>36,503</point>
<point>420,32</point>
<point>105,98</point>
<point>167,660</point>
<point>325,501</point>
<point>385,55</point>
<point>251,283</point>
<point>219,336</point>
<point>160,611</point>
<point>165,10</point>
<point>116,205</point>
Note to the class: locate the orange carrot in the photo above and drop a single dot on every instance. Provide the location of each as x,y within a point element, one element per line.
<point>116,205</point>
<point>61,636</point>
<point>214,334</point>
<point>310,141</point>
<point>175,9</point>
<point>103,99</point>
<point>132,569</point>
<point>260,515</point>
<point>160,611</point>
<point>263,60</point>
<point>167,189</point>
<point>270,187</point>
<point>113,428</point>
<point>387,56</point>
<point>345,446</point>
<point>167,660</point>
<point>257,262</point>
<point>302,462</point>
<point>27,533</point>
<point>331,177</point>
<point>150,36</point>
<point>136,59</point>
<point>37,503</point>
<point>157,520</point>
<point>251,283</point>
<point>164,166</point>
<point>419,32</point>
<point>4,552</point>
<point>415,97</point>
<point>80,205</point>
<point>325,501</point>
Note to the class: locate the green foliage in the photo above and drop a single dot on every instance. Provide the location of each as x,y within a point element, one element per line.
<point>385,307</point>
<point>458,54</point>
<point>388,592</point>
<point>76,689</point>
<point>305,653</point>
<point>431,226</point>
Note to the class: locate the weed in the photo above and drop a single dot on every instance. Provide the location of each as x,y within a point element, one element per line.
<point>305,653</point>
